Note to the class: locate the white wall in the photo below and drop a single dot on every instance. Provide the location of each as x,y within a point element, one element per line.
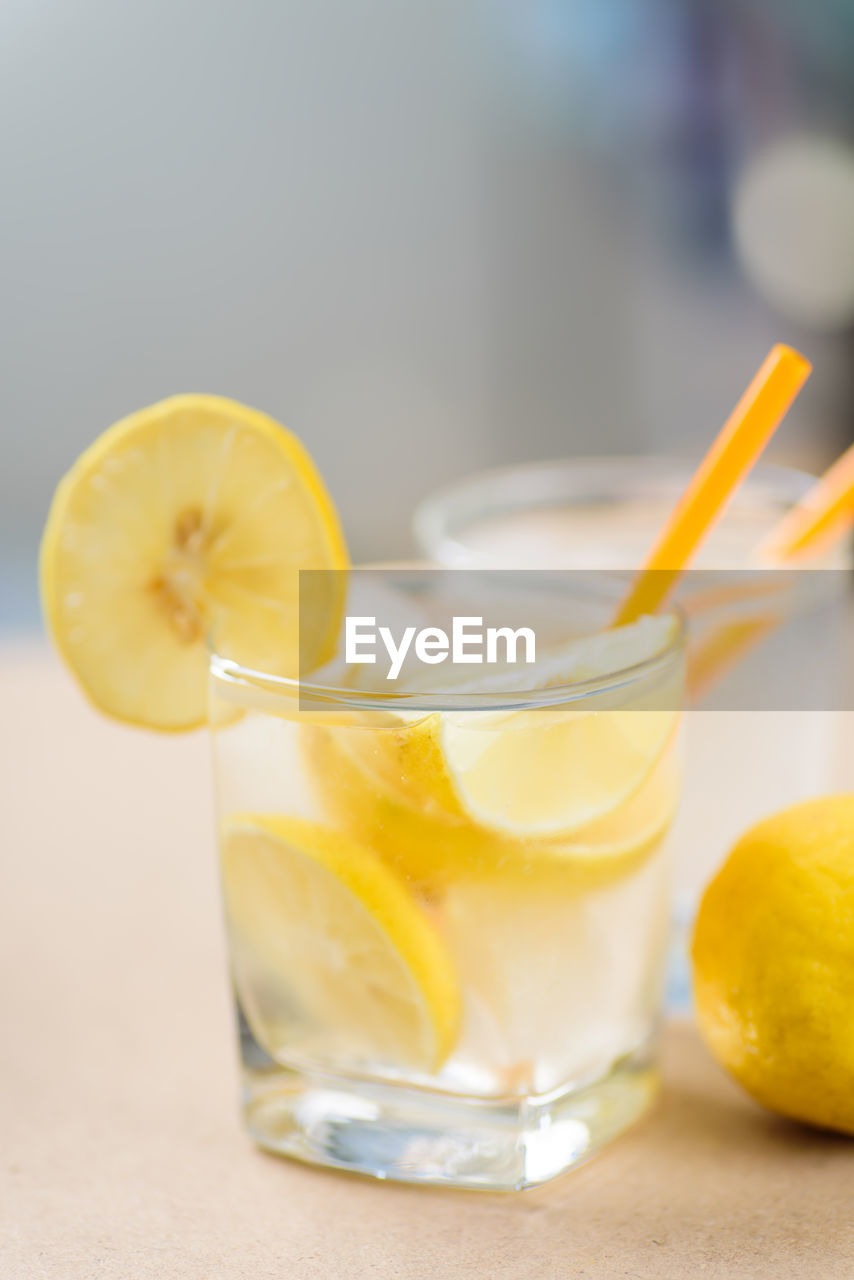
<point>351,213</point>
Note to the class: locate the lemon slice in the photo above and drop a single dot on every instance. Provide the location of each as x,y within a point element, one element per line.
<point>189,518</point>
<point>554,773</point>
<point>435,849</point>
<point>333,957</point>
<point>623,835</point>
<point>543,773</point>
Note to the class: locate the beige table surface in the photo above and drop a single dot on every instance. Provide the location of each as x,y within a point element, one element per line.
<point>122,1155</point>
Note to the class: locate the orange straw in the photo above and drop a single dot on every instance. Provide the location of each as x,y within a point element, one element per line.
<point>822,516</point>
<point>741,440</point>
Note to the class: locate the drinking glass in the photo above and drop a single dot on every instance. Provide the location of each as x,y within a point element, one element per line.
<point>447,908</point>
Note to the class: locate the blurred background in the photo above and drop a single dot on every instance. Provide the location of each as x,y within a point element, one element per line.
<point>430,237</point>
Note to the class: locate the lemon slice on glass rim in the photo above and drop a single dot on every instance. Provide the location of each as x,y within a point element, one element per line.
<point>188,519</point>
<point>331,952</point>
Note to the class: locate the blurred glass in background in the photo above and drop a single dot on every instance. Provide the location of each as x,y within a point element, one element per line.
<point>430,237</point>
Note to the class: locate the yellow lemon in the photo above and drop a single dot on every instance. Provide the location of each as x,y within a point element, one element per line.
<point>332,955</point>
<point>189,519</point>
<point>773,957</point>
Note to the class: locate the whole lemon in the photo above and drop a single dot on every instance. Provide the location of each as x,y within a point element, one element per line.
<point>773,958</point>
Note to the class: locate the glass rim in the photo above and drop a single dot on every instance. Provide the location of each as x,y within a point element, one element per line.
<point>435,521</point>
<point>326,695</point>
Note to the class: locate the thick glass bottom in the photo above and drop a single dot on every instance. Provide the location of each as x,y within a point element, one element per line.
<point>416,1135</point>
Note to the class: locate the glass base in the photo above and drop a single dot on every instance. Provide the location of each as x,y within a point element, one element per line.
<point>414,1135</point>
